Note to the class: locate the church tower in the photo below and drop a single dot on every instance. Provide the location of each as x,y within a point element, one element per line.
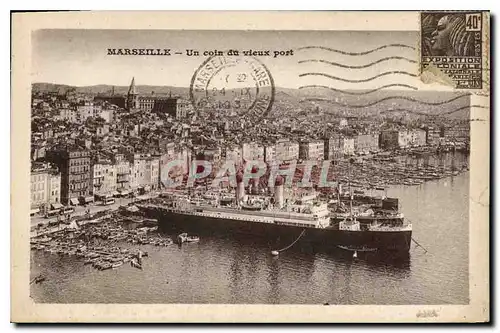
<point>132,97</point>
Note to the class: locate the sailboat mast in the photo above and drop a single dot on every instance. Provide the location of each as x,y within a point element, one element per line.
<point>350,192</point>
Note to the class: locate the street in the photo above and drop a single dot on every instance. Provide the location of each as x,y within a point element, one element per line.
<point>93,208</point>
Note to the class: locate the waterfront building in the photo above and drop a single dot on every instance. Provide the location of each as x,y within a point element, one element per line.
<point>393,139</point>
<point>459,132</point>
<point>347,145</point>
<point>417,137</point>
<point>232,153</point>
<point>104,178</point>
<point>145,172</point>
<point>311,150</point>
<point>76,177</point>
<point>45,187</point>
<point>283,150</point>
<point>366,143</point>
<point>433,134</point>
<point>403,138</point>
<point>252,151</point>
<point>123,172</point>
<point>332,147</point>
<point>269,153</point>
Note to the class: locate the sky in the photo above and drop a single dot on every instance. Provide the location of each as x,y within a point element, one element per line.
<point>79,57</point>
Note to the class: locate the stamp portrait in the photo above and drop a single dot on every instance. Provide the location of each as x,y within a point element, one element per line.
<point>250,167</point>
<point>452,41</point>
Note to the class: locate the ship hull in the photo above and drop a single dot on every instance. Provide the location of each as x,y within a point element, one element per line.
<point>325,238</point>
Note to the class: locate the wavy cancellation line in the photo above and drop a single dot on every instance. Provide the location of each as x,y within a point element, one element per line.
<point>359,66</point>
<point>357,53</point>
<point>438,114</point>
<point>361,80</point>
<point>358,93</point>
<point>312,99</point>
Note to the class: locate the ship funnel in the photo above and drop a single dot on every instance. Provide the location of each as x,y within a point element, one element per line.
<point>255,181</point>
<point>278,192</point>
<point>240,188</point>
<point>255,186</point>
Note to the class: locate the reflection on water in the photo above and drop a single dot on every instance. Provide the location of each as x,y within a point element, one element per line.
<point>242,270</point>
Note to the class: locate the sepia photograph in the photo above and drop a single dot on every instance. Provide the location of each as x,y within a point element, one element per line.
<point>319,167</point>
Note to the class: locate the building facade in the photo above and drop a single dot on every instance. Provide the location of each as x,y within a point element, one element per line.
<point>172,106</point>
<point>68,115</point>
<point>145,172</point>
<point>333,148</point>
<point>389,139</point>
<point>45,187</point>
<point>87,110</point>
<point>417,137</point>
<point>123,172</point>
<point>104,178</point>
<point>347,146</point>
<point>366,143</point>
<point>232,153</point>
<point>311,150</point>
<point>252,151</point>
<point>457,133</point>
<point>433,135</point>
<point>76,177</point>
<point>283,150</point>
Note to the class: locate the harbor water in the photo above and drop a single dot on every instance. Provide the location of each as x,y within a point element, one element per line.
<point>235,270</point>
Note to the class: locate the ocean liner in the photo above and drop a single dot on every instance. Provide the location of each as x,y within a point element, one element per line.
<point>300,217</point>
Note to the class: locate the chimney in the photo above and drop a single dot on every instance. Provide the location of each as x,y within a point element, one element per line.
<point>255,182</point>
<point>278,192</point>
<point>240,188</point>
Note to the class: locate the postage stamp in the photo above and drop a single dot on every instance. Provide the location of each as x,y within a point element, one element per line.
<point>232,86</point>
<point>452,41</point>
<point>250,167</point>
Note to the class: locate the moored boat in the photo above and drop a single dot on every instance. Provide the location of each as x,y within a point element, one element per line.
<point>182,238</point>
<point>192,239</point>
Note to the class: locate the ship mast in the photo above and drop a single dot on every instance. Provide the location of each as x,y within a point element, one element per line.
<point>350,193</point>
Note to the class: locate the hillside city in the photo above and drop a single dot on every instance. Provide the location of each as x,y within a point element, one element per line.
<point>87,148</point>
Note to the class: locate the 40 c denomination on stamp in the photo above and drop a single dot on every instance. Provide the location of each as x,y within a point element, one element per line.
<point>452,41</point>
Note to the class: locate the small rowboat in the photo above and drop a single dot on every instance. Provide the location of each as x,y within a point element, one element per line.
<point>116,265</point>
<point>182,238</point>
<point>135,264</point>
<point>192,239</point>
<point>357,249</point>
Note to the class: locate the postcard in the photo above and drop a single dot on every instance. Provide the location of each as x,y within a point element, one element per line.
<point>292,167</point>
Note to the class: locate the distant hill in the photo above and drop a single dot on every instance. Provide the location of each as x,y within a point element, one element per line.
<point>333,101</point>
<point>102,89</point>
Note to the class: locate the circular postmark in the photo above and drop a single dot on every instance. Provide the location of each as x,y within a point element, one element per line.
<point>232,87</point>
